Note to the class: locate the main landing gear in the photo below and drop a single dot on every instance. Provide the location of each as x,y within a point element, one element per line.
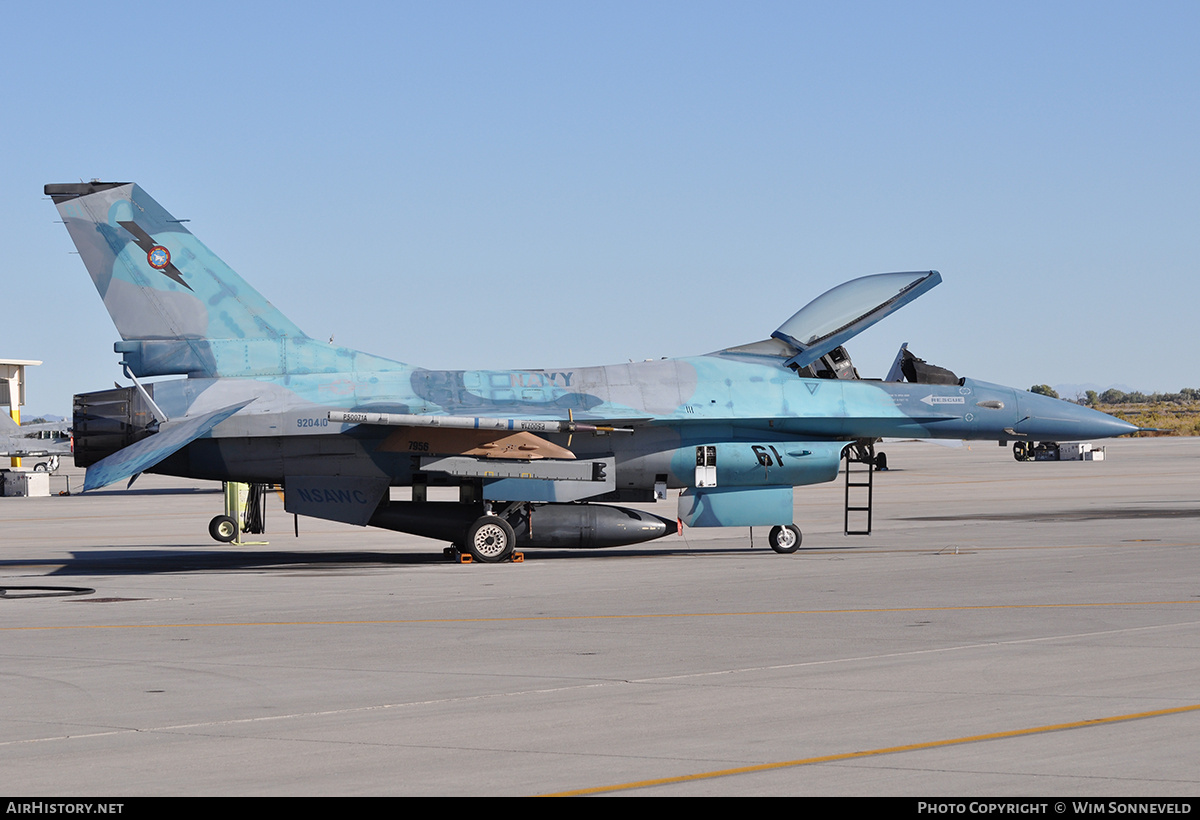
<point>490,539</point>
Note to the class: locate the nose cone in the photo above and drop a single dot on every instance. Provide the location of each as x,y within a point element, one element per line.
<point>1047,419</point>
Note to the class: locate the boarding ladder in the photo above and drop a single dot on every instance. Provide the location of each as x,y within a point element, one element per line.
<point>859,483</point>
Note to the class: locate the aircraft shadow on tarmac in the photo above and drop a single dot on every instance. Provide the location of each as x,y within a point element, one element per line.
<point>159,491</point>
<point>115,561</point>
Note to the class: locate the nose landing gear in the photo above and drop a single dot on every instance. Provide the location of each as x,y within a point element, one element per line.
<point>786,539</point>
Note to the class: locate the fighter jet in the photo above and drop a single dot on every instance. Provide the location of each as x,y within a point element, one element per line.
<point>47,441</point>
<point>536,455</point>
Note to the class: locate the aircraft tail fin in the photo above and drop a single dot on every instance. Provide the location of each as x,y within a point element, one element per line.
<point>7,425</point>
<point>178,307</point>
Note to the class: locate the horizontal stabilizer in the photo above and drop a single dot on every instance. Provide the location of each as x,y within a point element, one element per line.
<point>142,455</point>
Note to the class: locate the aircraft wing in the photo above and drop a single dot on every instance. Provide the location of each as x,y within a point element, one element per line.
<point>142,455</point>
<point>510,453</point>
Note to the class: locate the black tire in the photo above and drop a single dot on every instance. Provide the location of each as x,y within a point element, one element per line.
<point>785,540</point>
<point>41,467</point>
<point>223,528</point>
<point>490,540</point>
<point>1021,451</point>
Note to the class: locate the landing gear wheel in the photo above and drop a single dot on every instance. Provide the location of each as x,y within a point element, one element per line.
<point>785,540</point>
<point>223,528</point>
<point>1022,451</point>
<point>490,539</point>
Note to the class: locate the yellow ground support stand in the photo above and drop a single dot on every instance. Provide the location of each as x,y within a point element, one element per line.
<point>228,528</point>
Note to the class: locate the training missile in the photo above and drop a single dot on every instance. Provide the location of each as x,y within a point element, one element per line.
<point>467,423</point>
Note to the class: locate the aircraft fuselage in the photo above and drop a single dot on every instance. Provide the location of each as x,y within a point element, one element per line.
<point>680,403</point>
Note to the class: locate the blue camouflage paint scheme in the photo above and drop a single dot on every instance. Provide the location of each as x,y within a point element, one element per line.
<point>197,317</point>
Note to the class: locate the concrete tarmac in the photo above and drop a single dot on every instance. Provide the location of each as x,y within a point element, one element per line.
<point>1009,629</point>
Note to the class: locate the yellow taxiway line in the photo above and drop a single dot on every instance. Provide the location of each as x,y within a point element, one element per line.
<point>912,747</point>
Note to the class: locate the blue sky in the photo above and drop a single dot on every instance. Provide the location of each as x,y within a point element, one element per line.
<point>492,185</point>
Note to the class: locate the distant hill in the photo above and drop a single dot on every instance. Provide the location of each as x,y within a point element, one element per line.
<point>28,417</point>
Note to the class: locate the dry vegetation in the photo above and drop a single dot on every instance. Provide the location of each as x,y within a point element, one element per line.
<point>1174,418</point>
<point>1170,414</point>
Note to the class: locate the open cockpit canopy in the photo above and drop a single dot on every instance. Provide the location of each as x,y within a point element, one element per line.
<point>839,314</point>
